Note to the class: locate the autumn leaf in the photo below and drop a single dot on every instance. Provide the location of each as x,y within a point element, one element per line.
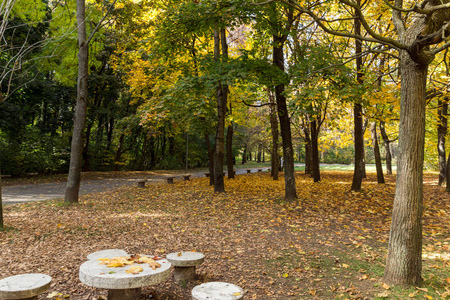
<point>134,270</point>
<point>385,286</point>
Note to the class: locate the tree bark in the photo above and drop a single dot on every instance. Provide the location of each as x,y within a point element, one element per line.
<point>376,152</point>
<point>230,162</point>
<point>285,124</point>
<point>244,155</point>
<point>76,160</point>
<point>211,159</point>
<point>359,171</point>
<point>222,90</point>
<point>274,128</point>
<point>308,150</point>
<point>448,174</point>
<point>404,260</point>
<point>387,148</point>
<point>1,203</point>
<point>442,132</point>
<point>315,150</point>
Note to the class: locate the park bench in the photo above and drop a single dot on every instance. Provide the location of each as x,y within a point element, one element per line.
<point>24,286</point>
<point>141,183</point>
<point>184,265</point>
<point>170,179</point>
<point>207,174</point>
<point>249,171</point>
<point>217,291</point>
<point>259,170</point>
<point>186,177</point>
<point>6,176</point>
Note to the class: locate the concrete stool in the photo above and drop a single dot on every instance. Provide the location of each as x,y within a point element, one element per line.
<point>24,287</point>
<point>249,170</point>
<point>141,183</point>
<point>170,180</point>
<point>217,291</point>
<point>184,265</point>
<point>186,177</point>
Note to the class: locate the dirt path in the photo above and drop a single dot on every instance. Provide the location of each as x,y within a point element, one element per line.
<point>45,191</point>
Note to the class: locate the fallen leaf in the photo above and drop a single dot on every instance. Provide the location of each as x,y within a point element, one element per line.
<point>134,270</point>
<point>386,286</point>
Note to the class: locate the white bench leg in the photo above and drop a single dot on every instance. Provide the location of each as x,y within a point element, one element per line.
<point>125,294</point>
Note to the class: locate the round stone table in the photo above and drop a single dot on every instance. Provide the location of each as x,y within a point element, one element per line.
<point>185,263</point>
<point>25,286</point>
<point>120,285</point>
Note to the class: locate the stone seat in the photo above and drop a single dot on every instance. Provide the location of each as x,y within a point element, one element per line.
<point>141,182</point>
<point>24,286</point>
<point>184,265</point>
<point>217,291</point>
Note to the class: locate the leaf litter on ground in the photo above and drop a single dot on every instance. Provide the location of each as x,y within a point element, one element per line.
<point>329,244</point>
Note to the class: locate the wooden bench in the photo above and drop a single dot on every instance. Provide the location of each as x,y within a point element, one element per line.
<point>170,179</point>
<point>184,265</point>
<point>249,171</point>
<point>186,177</point>
<point>217,291</point>
<point>141,183</point>
<point>207,174</point>
<point>259,170</point>
<point>6,176</point>
<point>24,286</point>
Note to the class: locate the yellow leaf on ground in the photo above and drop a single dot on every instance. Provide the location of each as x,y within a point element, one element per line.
<point>386,286</point>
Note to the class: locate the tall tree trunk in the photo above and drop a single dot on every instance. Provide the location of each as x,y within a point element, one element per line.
<point>76,160</point>
<point>211,159</point>
<point>387,148</point>
<point>274,129</point>
<point>358,172</point>
<point>376,152</point>
<point>1,203</point>
<point>222,90</point>
<point>230,160</point>
<point>315,150</point>
<point>404,260</point>
<point>442,132</point>
<point>448,174</point>
<point>285,124</point>
<point>308,150</point>
<point>244,155</point>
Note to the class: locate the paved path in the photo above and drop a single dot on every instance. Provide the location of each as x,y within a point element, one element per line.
<point>44,191</point>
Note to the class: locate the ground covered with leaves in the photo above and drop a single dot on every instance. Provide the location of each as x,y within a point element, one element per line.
<point>330,244</point>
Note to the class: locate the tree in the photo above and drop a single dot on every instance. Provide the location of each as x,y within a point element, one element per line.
<point>76,158</point>
<point>419,28</point>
